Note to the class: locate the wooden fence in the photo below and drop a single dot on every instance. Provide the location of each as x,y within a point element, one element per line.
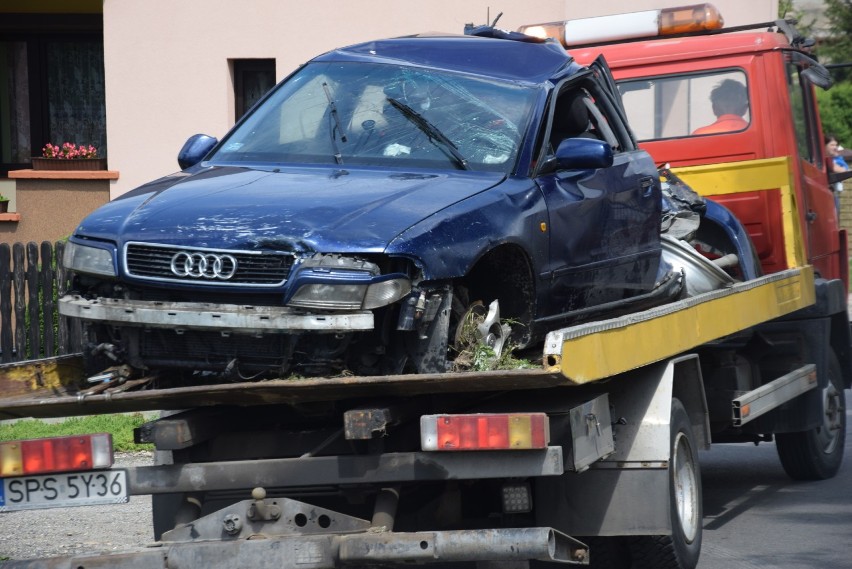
<point>31,280</point>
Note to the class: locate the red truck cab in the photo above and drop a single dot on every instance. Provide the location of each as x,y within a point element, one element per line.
<point>667,86</point>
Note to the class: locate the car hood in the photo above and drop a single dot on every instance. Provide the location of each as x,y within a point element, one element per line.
<point>290,209</point>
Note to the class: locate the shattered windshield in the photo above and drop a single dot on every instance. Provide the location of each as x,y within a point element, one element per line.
<point>385,115</point>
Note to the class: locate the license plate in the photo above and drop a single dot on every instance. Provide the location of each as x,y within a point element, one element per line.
<point>63,490</point>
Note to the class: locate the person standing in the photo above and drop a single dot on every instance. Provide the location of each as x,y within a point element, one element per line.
<point>836,163</point>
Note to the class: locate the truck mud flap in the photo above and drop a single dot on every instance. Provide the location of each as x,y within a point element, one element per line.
<point>331,551</point>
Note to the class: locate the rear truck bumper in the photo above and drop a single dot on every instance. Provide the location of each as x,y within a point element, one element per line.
<point>328,551</point>
<point>285,533</point>
<point>333,470</point>
<point>206,316</point>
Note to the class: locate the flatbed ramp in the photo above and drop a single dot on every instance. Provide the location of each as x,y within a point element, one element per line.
<point>575,355</point>
<point>597,350</point>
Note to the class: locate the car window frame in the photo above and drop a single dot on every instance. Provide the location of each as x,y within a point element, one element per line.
<point>604,109</point>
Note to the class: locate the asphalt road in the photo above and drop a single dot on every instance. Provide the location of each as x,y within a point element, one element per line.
<point>755,516</point>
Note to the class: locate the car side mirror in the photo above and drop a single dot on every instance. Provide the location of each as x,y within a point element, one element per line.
<point>583,154</point>
<point>195,149</point>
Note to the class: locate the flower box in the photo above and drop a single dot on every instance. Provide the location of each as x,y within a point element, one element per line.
<point>69,163</point>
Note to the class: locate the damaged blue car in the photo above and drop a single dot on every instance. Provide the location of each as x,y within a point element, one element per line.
<point>368,206</point>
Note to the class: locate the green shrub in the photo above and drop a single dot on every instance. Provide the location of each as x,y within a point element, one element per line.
<point>120,426</point>
<point>834,107</point>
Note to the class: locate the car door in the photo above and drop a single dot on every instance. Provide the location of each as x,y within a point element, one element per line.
<point>604,222</point>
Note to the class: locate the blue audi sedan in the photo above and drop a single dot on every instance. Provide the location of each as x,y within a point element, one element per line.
<point>376,200</point>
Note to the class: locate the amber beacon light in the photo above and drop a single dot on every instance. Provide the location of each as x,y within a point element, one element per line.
<point>633,25</point>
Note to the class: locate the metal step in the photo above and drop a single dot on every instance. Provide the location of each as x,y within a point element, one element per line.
<point>769,396</point>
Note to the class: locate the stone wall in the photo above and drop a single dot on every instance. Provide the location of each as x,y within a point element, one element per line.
<point>846,206</point>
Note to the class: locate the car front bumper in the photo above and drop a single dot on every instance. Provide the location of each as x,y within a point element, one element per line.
<point>238,319</point>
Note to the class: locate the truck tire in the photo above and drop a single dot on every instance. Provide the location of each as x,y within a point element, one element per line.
<point>817,454</point>
<point>681,549</point>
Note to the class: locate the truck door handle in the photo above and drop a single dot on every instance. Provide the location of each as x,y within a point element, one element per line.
<point>811,216</point>
<point>646,184</point>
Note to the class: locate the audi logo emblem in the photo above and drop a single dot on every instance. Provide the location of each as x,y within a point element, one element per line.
<point>204,265</point>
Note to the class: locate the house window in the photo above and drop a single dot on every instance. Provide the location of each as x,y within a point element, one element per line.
<point>51,85</point>
<point>252,79</point>
<point>75,93</point>
<point>15,134</point>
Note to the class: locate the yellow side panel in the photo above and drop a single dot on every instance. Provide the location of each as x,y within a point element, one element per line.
<point>51,375</point>
<point>600,350</point>
<point>749,176</point>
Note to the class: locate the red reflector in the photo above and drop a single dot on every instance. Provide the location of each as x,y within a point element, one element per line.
<point>56,455</point>
<point>493,431</point>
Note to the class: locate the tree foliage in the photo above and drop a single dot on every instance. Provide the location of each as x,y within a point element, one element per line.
<point>837,47</point>
<point>835,105</point>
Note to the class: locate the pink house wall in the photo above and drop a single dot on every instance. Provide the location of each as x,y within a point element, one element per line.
<point>168,71</point>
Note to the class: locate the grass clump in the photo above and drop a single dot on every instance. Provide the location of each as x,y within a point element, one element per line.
<point>474,354</point>
<point>119,425</point>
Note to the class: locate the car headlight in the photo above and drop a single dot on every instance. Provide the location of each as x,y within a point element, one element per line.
<point>340,296</point>
<point>85,259</point>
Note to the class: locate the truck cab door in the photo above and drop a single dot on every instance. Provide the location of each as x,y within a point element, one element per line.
<point>818,207</point>
<point>604,222</point>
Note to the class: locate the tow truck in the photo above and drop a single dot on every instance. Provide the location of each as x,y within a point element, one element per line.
<point>590,459</point>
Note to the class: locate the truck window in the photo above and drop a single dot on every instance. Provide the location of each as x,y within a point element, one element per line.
<point>799,92</point>
<point>687,105</point>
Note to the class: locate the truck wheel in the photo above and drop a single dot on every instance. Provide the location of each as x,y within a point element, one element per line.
<point>817,454</point>
<point>681,549</point>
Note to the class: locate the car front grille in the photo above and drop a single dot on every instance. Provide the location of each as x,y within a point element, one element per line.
<point>154,262</point>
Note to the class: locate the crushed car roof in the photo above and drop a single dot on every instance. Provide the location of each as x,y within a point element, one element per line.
<point>498,58</point>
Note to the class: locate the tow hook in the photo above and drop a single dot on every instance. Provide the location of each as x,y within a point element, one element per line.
<point>259,510</point>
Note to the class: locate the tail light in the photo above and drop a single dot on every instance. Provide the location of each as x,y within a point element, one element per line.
<point>490,431</point>
<point>55,454</point>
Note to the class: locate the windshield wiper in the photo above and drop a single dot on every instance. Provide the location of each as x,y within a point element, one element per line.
<point>431,131</point>
<point>333,109</point>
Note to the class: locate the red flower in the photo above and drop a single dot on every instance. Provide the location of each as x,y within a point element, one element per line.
<point>69,150</point>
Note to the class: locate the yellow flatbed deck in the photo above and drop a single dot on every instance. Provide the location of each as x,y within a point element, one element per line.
<point>575,355</point>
